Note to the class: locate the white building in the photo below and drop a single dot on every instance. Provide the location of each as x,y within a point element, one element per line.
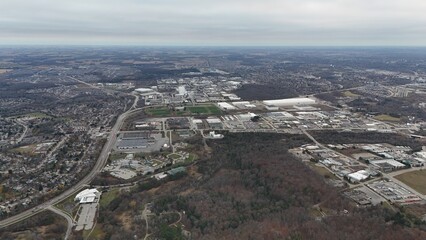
<point>182,90</point>
<point>144,90</point>
<point>290,102</point>
<point>358,176</point>
<point>87,196</point>
<point>214,135</point>
<point>226,106</point>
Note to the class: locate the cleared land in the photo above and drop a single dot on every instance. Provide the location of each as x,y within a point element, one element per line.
<point>35,115</point>
<point>387,118</point>
<point>159,112</point>
<point>349,94</point>
<point>415,179</point>
<point>322,171</point>
<point>204,109</point>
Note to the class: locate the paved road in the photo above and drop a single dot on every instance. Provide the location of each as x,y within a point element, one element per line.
<point>23,133</point>
<point>100,163</point>
<point>67,217</point>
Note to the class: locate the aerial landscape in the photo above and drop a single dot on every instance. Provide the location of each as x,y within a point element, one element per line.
<point>211,135</point>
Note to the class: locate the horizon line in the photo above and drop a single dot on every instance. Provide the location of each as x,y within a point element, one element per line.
<point>207,46</point>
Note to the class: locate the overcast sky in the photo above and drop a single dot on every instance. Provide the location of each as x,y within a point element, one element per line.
<point>214,22</point>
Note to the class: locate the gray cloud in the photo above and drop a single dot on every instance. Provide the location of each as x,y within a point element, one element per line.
<point>219,22</point>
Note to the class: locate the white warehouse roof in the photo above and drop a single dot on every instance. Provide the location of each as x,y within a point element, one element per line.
<point>359,176</point>
<point>144,90</point>
<point>289,102</point>
<point>226,106</point>
<point>87,196</point>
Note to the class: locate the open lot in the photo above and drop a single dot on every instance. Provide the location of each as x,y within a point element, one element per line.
<point>415,179</point>
<point>35,115</point>
<point>206,109</point>
<point>349,94</point>
<point>387,118</point>
<point>29,149</point>
<point>323,171</point>
<point>158,112</point>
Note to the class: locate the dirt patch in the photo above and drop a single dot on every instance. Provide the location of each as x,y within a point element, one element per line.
<point>126,220</point>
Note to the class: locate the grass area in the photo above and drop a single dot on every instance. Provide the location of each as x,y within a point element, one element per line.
<point>204,109</point>
<point>158,112</point>
<point>323,171</point>
<point>28,149</point>
<point>315,213</point>
<point>387,118</point>
<point>107,197</point>
<point>174,156</point>
<point>97,233</point>
<point>414,179</point>
<point>117,156</point>
<point>207,109</point>
<point>386,204</point>
<point>67,205</point>
<point>191,158</point>
<point>35,115</point>
<point>349,94</point>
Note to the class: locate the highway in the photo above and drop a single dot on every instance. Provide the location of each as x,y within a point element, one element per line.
<point>100,163</point>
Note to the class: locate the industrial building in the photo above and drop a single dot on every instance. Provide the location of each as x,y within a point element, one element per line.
<point>226,106</point>
<point>134,140</point>
<point>144,91</point>
<point>243,105</point>
<point>182,90</point>
<point>213,135</point>
<point>358,176</point>
<point>387,165</point>
<point>289,102</point>
<point>214,123</point>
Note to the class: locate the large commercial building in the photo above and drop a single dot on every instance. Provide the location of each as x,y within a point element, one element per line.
<point>289,102</point>
<point>87,196</point>
<point>144,90</point>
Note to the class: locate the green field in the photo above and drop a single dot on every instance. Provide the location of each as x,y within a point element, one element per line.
<point>414,179</point>
<point>107,197</point>
<point>28,149</point>
<point>387,118</point>
<point>204,109</point>
<point>116,156</point>
<point>35,115</point>
<point>208,109</point>
<point>174,156</point>
<point>349,94</point>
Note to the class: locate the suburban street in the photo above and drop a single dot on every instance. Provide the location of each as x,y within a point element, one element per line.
<point>100,163</point>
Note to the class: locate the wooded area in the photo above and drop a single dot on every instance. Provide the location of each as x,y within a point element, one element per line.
<point>250,188</point>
